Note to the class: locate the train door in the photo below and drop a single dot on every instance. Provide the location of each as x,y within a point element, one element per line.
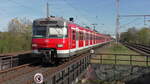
<point>77,38</point>
<point>84,38</point>
<point>70,39</point>
<point>89,38</point>
<point>73,38</point>
<point>88,41</point>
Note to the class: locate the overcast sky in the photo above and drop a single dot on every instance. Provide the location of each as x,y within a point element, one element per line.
<point>85,12</point>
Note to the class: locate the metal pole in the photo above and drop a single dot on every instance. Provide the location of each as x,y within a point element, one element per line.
<point>137,16</point>
<point>117,21</point>
<point>47,10</point>
<point>94,25</point>
<point>144,20</point>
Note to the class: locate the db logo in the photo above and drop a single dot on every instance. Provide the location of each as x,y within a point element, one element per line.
<point>38,78</point>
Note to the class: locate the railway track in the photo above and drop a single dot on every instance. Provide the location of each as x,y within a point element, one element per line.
<point>13,72</point>
<point>12,63</point>
<point>142,49</point>
<point>11,60</point>
<point>24,74</point>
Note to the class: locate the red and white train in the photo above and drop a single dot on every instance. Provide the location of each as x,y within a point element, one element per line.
<point>59,38</point>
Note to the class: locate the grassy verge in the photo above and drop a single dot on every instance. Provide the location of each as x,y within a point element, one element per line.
<point>119,49</point>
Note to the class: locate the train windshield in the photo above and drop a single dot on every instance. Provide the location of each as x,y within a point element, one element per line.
<point>39,32</point>
<point>57,32</point>
<point>50,32</point>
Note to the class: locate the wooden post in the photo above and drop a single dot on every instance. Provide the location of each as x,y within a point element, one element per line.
<point>11,62</point>
<point>115,59</point>
<point>131,60</point>
<point>54,80</point>
<point>101,59</point>
<point>147,61</point>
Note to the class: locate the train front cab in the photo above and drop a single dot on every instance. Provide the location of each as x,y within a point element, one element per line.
<point>50,40</point>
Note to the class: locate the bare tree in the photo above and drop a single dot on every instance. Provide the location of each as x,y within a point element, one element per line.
<point>19,25</point>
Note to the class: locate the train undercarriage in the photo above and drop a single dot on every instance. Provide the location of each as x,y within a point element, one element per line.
<point>48,55</point>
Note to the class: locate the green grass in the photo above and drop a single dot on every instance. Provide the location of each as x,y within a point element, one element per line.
<point>10,42</point>
<point>119,49</point>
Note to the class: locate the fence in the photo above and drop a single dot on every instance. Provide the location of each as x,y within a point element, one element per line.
<point>125,59</point>
<point>12,60</point>
<point>67,75</point>
<point>8,62</point>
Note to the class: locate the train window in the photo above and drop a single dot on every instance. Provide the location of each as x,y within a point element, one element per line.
<point>100,38</point>
<point>80,35</point>
<point>39,32</point>
<point>91,37</point>
<point>77,35</point>
<point>86,36</point>
<point>56,32</point>
<point>83,36</point>
<point>73,35</point>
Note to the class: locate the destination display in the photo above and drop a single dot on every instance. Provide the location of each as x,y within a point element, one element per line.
<point>48,22</point>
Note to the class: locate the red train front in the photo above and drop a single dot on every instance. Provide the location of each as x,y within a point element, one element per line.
<point>58,38</point>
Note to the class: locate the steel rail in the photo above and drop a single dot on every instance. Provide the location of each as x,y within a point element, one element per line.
<point>138,48</point>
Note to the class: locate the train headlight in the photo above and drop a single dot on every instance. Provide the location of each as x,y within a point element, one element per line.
<point>34,45</point>
<point>60,45</point>
<point>46,40</point>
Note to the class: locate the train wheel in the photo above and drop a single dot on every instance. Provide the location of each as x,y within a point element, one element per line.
<point>54,56</point>
<point>49,57</point>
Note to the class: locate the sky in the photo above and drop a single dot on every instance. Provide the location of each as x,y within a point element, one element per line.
<point>85,12</point>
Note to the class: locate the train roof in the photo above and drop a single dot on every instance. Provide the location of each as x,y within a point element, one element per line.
<point>60,21</point>
<point>53,18</point>
<point>51,21</point>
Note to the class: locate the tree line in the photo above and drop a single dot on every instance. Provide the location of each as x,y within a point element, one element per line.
<point>134,35</point>
<point>17,37</point>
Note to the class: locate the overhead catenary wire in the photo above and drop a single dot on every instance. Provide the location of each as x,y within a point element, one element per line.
<point>3,11</point>
<point>23,6</point>
<point>129,22</point>
<point>85,17</point>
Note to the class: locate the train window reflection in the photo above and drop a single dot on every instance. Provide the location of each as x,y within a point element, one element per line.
<point>57,32</point>
<point>39,32</point>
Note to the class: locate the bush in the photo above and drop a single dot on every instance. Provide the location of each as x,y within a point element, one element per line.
<point>10,42</point>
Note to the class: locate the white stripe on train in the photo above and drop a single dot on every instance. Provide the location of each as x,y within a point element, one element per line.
<point>73,50</point>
